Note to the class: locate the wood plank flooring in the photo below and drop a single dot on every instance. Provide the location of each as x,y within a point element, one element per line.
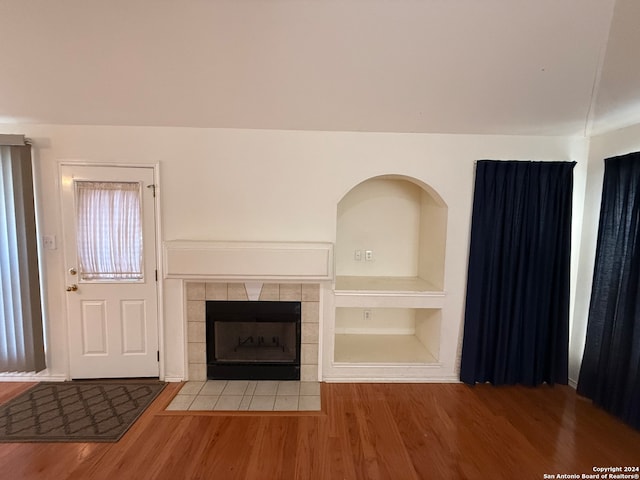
<point>366,431</point>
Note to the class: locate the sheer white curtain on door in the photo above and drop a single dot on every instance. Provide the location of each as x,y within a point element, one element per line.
<point>109,230</point>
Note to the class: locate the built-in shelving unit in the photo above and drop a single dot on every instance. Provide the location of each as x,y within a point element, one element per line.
<point>390,335</point>
<point>381,349</point>
<point>384,284</point>
<point>388,293</point>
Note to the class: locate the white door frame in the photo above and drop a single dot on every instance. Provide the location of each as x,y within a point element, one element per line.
<point>158,245</point>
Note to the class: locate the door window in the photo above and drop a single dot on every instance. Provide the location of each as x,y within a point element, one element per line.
<point>109,231</point>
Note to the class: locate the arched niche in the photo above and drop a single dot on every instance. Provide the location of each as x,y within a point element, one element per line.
<point>403,223</point>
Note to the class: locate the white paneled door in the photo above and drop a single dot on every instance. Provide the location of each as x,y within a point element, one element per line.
<point>110,262</point>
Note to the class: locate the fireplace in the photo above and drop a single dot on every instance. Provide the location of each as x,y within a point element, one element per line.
<point>199,293</point>
<point>198,271</point>
<point>253,340</point>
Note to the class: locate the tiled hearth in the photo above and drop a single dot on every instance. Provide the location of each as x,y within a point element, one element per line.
<point>199,292</point>
<point>239,395</point>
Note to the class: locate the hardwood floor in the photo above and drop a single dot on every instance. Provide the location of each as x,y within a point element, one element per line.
<point>366,431</point>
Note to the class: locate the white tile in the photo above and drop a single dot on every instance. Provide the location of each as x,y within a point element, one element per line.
<point>287,403</point>
<point>191,388</point>
<point>270,292</point>
<point>228,402</point>
<point>196,332</point>
<point>309,354</point>
<point>269,387</point>
<point>262,402</point>
<point>196,311</point>
<point>213,387</point>
<point>309,333</point>
<point>288,388</point>
<point>236,291</point>
<point>197,371</point>
<point>310,312</point>
<point>290,292</point>
<point>309,373</point>
<point>195,291</point>
<point>216,291</point>
<point>309,388</point>
<point>309,402</point>
<point>181,402</point>
<point>197,353</point>
<point>310,292</point>
<point>235,387</point>
<point>204,402</point>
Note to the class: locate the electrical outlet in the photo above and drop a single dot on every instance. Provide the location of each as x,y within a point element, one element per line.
<point>49,242</point>
<point>367,315</point>
<point>357,255</point>
<point>368,255</point>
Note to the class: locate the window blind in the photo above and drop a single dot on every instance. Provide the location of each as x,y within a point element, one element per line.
<point>21,331</point>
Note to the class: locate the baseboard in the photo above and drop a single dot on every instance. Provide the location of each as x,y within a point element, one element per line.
<point>388,380</point>
<point>32,377</point>
<point>173,379</point>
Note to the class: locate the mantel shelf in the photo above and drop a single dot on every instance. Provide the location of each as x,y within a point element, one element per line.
<point>269,261</point>
<point>386,286</point>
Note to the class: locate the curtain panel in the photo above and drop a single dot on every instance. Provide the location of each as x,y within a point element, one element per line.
<point>516,326</point>
<point>610,370</point>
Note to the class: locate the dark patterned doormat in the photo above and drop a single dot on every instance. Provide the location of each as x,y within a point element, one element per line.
<point>78,411</point>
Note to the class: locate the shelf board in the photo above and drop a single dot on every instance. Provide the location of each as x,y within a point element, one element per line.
<point>381,349</point>
<point>385,285</point>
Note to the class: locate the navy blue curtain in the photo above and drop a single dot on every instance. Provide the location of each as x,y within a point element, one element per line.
<point>516,326</point>
<point>610,371</point>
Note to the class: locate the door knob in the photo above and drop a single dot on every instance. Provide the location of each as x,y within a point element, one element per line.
<point>72,288</point>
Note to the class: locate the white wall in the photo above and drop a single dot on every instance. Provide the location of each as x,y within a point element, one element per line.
<point>602,146</point>
<point>225,184</point>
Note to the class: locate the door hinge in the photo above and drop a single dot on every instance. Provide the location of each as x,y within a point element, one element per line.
<point>158,354</point>
<point>156,275</point>
<point>153,188</point>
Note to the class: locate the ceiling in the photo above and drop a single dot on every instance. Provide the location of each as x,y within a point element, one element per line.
<point>544,67</point>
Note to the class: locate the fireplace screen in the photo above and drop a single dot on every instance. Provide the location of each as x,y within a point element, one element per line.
<point>253,340</point>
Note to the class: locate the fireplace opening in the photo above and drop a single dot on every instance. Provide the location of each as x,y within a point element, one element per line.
<point>253,340</point>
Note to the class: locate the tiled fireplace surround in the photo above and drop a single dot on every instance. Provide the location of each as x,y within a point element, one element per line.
<point>197,293</point>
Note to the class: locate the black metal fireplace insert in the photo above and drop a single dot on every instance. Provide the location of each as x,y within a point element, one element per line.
<point>253,340</point>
